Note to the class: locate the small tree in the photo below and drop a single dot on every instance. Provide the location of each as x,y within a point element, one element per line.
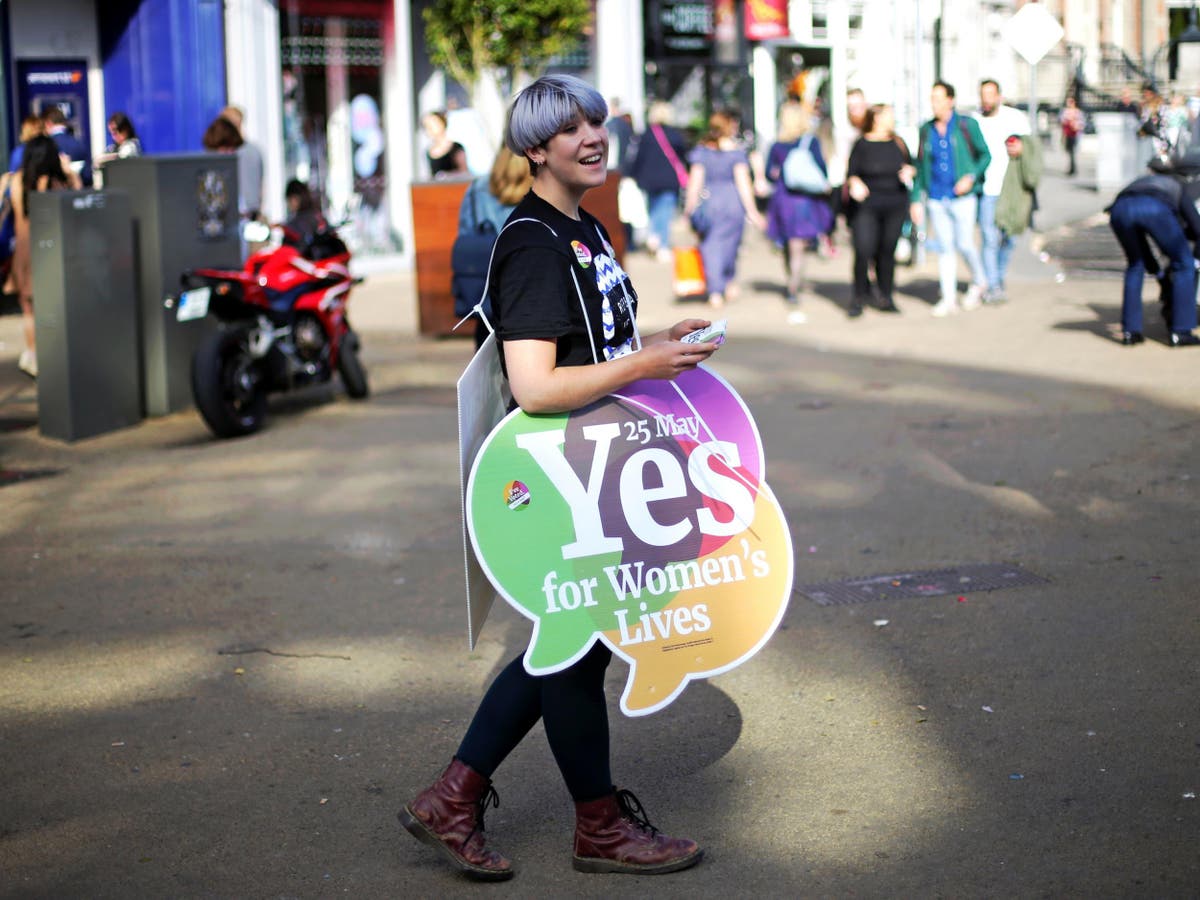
<point>484,44</point>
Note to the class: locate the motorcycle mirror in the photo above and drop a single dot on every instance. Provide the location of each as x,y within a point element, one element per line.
<point>256,232</point>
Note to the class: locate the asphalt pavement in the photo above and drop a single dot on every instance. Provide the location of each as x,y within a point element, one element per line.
<point>224,666</point>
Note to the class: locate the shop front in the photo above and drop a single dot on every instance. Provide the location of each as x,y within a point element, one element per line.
<point>334,58</point>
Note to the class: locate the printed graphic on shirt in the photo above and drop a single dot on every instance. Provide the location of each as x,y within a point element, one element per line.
<point>582,253</point>
<point>616,310</point>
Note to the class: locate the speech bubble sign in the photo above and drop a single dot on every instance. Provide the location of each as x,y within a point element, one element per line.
<point>642,520</point>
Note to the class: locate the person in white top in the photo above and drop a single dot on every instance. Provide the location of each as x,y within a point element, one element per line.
<point>997,122</point>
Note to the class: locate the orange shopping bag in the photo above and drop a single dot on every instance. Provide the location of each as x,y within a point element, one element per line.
<point>689,272</point>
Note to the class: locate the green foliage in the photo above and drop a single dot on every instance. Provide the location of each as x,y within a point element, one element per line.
<point>469,37</point>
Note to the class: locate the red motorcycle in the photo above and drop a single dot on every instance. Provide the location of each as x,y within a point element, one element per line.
<point>283,326</point>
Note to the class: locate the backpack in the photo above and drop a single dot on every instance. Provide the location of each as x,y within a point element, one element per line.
<point>801,172</point>
<point>470,258</point>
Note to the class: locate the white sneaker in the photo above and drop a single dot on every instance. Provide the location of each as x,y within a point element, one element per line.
<point>797,317</point>
<point>944,307</point>
<point>973,297</point>
<point>27,363</point>
<point>664,255</point>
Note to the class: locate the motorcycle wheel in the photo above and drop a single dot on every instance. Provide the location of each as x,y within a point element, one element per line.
<point>354,376</point>
<point>227,386</point>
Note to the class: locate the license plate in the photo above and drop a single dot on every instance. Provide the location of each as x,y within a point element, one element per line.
<point>193,304</point>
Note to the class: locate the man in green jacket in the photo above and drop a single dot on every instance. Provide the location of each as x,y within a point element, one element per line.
<point>951,159</point>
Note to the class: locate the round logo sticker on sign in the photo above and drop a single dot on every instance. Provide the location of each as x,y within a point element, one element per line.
<point>654,532</point>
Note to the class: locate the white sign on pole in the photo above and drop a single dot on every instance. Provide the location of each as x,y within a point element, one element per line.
<point>1032,32</point>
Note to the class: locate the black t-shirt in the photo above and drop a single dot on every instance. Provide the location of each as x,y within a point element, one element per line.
<point>878,164</point>
<point>448,162</point>
<point>534,295</point>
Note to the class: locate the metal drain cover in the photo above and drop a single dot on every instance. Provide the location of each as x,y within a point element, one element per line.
<point>934,583</point>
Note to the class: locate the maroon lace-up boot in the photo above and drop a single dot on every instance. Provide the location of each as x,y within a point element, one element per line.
<point>449,816</point>
<point>612,834</point>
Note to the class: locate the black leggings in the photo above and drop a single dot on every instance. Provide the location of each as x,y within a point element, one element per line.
<point>571,703</point>
<point>876,231</point>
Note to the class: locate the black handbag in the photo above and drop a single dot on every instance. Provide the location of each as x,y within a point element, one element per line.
<point>469,259</point>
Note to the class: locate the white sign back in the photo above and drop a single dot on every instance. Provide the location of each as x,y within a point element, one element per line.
<point>1032,32</point>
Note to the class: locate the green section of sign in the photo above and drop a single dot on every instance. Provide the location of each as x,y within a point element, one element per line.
<point>520,532</point>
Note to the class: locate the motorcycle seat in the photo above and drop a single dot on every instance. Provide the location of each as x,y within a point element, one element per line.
<point>283,301</point>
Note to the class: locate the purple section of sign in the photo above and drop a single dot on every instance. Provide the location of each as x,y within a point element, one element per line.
<point>703,396</point>
<point>661,423</point>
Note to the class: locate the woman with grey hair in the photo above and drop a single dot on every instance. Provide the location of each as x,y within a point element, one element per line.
<point>564,313</point>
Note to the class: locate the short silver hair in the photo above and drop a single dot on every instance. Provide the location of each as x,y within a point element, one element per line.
<point>548,106</point>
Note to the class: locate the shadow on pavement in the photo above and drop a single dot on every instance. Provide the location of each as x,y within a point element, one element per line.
<point>1033,741</point>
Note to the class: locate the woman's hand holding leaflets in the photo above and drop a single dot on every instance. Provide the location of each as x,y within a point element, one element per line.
<point>541,386</point>
<point>670,355</point>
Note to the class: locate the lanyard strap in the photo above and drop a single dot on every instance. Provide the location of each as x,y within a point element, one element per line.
<point>670,154</point>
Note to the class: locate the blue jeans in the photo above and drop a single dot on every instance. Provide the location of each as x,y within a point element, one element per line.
<point>1134,219</point>
<point>997,246</point>
<point>661,207</point>
<point>954,221</point>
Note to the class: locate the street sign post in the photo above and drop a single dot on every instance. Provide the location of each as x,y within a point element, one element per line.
<point>1032,32</point>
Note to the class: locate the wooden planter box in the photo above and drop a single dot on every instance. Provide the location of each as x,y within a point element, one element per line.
<point>435,207</point>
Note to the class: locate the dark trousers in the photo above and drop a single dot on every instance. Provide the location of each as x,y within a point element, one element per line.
<point>876,231</point>
<point>572,707</point>
<point>1135,220</point>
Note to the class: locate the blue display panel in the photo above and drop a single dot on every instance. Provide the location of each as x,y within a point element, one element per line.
<point>164,67</point>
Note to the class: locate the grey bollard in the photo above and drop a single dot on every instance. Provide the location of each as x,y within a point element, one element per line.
<point>185,216</point>
<point>1118,155</point>
<point>85,313</point>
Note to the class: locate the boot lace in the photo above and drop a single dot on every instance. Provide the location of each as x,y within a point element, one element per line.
<point>488,798</point>
<point>631,809</point>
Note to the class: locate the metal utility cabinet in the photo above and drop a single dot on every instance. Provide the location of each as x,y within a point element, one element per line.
<point>85,313</point>
<point>185,216</point>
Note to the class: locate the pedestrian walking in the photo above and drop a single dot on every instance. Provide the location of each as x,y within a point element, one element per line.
<point>250,166</point>
<point>796,213</point>
<point>69,144</point>
<point>998,123</point>
<point>660,172</point>
<point>43,168</point>
<point>1159,207</point>
<point>879,176</point>
<point>1071,121</point>
<point>720,180</point>
<point>567,329</point>
<point>1018,197</point>
<point>124,141</point>
<point>951,160</point>
<point>447,158</point>
<point>31,127</point>
<point>223,136</point>
<point>304,216</point>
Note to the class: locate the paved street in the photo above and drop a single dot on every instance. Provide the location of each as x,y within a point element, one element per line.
<point>225,665</point>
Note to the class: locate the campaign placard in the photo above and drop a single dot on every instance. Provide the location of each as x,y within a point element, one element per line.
<point>642,520</point>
